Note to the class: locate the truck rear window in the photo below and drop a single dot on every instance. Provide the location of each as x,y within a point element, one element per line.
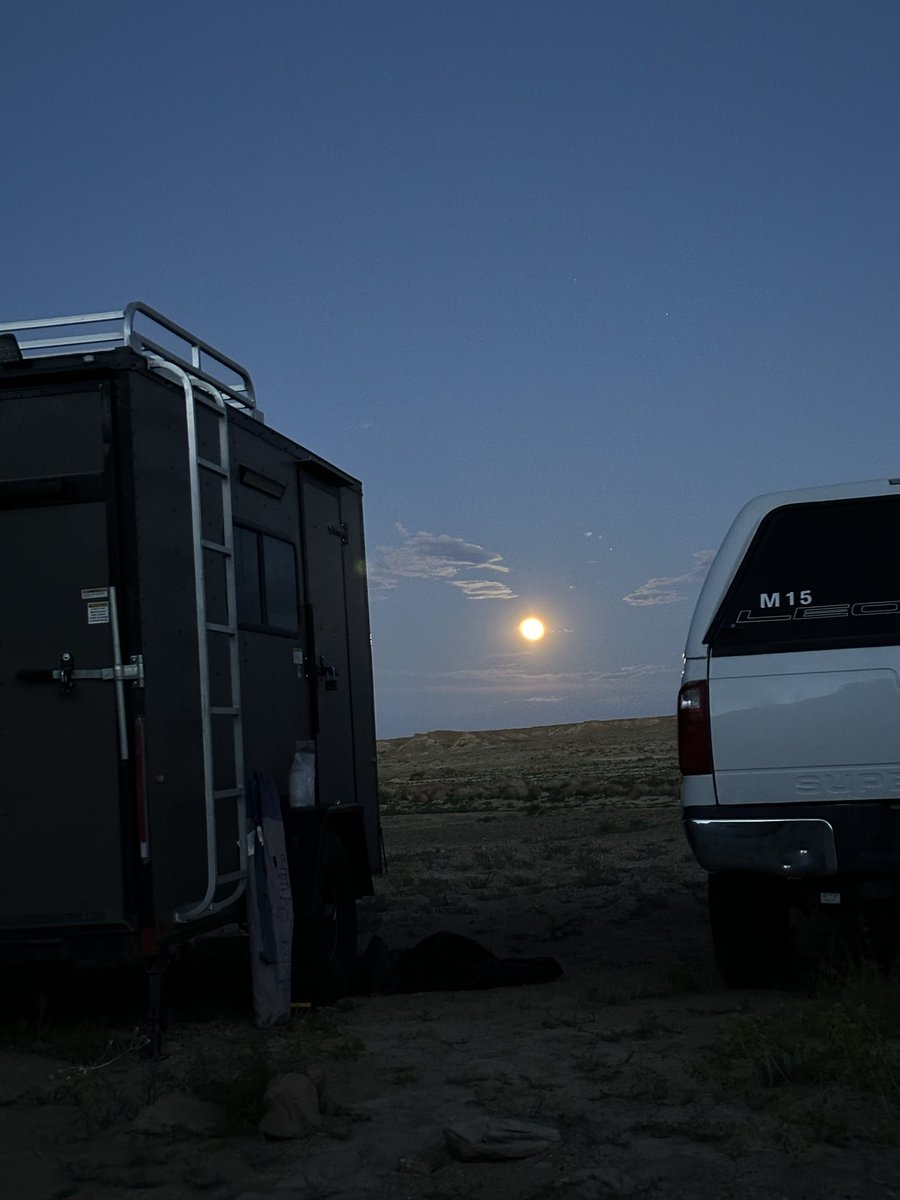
<point>816,576</point>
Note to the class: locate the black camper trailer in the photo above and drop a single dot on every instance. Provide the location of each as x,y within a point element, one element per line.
<point>182,606</point>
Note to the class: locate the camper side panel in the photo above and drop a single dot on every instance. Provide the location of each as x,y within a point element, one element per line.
<point>271,602</point>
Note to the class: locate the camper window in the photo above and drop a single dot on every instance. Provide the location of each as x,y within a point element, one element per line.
<point>249,591</point>
<point>266,581</point>
<point>279,582</point>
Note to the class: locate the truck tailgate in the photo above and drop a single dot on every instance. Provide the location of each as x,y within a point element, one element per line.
<point>810,726</point>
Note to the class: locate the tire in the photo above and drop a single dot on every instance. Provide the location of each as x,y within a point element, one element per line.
<point>750,924</point>
<point>877,921</point>
<point>324,951</point>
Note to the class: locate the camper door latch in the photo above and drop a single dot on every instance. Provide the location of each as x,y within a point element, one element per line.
<point>340,531</point>
<point>66,671</point>
<point>68,675</point>
<point>329,674</point>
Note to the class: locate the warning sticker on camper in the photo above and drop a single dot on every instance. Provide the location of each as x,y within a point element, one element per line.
<point>94,593</point>
<point>98,612</point>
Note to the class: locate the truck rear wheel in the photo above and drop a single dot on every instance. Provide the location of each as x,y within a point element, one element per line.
<point>750,923</point>
<point>324,952</point>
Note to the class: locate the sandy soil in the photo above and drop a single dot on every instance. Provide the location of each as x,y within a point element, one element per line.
<point>562,841</point>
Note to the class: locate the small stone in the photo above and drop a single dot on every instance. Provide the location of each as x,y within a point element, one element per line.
<point>300,1193</point>
<point>203,1176</point>
<point>415,1164</point>
<point>601,1181</point>
<point>316,1072</point>
<point>292,1107</point>
<point>322,1077</point>
<point>499,1139</point>
<point>338,1127</point>
<point>178,1111</point>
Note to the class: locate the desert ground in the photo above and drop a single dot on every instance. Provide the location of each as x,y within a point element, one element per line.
<point>648,1076</point>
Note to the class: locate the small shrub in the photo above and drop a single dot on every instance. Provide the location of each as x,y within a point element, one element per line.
<point>839,1037</point>
<point>101,1100</point>
<point>638,825</point>
<point>348,1049</point>
<point>607,825</point>
<point>237,1083</point>
<point>823,1123</point>
<point>648,1084</point>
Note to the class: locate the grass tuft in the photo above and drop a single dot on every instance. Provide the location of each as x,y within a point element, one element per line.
<point>844,1035</point>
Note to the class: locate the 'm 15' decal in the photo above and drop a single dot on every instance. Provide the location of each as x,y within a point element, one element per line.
<point>773,599</point>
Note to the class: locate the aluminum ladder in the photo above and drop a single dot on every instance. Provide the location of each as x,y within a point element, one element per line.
<point>218,543</point>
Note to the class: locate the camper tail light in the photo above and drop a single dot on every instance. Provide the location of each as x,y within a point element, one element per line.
<point>694,745</point>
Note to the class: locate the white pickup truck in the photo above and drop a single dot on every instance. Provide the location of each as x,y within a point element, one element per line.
<point>789,718</point>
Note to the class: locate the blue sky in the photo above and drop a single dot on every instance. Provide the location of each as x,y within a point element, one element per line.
<point>563,282</point>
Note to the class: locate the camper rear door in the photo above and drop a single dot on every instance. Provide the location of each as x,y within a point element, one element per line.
<point>61,850</point>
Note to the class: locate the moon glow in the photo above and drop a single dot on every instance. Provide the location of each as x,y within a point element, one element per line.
<point>532,629</point>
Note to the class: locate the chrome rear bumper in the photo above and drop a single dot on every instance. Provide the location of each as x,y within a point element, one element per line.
<point>786,847</point>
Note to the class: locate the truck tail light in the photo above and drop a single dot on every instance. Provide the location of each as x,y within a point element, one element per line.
<point>694,744</point>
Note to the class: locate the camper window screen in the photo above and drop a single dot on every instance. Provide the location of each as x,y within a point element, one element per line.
<point>266,572</point>
<point>816,576</point>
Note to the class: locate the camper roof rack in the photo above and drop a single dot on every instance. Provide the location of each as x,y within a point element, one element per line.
<point>107,330</point>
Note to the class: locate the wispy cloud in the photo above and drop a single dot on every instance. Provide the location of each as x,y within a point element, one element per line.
<point>379,580</point>
<point>513,684</point>
<point>667,588</point>
<point>437,556</point>
<point>484,589</point>
<point>441,556</point>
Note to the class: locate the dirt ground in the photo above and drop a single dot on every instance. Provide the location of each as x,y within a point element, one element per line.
<point>562,841</point>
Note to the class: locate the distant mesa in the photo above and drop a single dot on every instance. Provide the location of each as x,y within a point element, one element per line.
<point>441,740</point>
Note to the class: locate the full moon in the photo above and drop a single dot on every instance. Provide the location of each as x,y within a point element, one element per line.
<point>531,629</point>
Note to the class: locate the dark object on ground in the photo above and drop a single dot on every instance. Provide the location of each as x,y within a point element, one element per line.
<point>324,951</point>
<point>499,1139</point>
<point>447,962</point>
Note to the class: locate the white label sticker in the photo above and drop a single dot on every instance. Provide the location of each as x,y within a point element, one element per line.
<point>94,593</point>
<point>98,612</point>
